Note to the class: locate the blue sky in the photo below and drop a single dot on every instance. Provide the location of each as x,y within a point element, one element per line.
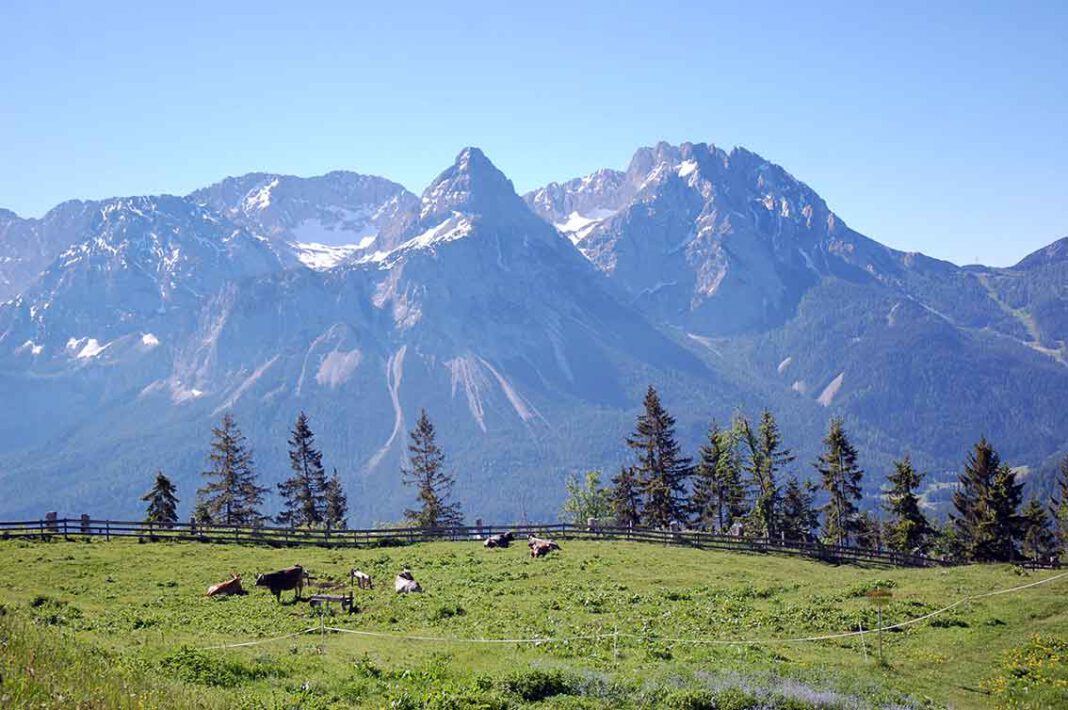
<point>935,126</point>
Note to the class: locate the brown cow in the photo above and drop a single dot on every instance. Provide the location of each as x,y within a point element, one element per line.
<point>539,547</point>
<point>283,580</point>
<point>230,586</point>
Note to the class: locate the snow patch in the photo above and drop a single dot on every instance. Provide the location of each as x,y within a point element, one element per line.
<point>31,346</point>
<point>578,226</point>
<point>456,227</point>
<point>784,364</point>
<point>149,340</point>
<point>337,367</point>
<point>687,167</point>
<point>259,199</point>
<point>91,347</point>
<point>828,393</point>
<point>321,257</point>
<point>799,386</point>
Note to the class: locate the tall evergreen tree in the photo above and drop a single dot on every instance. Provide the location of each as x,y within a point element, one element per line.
<point>1039,542</point>
<point>841,479</point>
<point>1059,508</point>
<point>433,484</point>
<point>986,503</point>
<point>303,493</point>
<point>718,493</point>
<point>767,456</point>
<point>662,469</point>
<point>626,498</point>
<point>231,496</point>
<point>799,517</point>
<point>337,504</point>
<point>869,531</point>
<point>162,502</point>
<point>908,529</point>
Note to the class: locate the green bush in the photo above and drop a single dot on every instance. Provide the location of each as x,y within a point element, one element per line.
<point>535,685</point>
<point>193,665</point>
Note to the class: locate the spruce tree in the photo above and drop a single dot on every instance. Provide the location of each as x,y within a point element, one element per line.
<point>1059,508</point>
<point>1039,542</point>
<point>869,531</point>
<point>337,504</point>
<point>162,502</point>
<point>986,501</point>
<point>231,496</point>
<point>303,493</point>
<point>767,457</point>
<point>662,469</point>
<point>841,479</point>
<point>626,498</point>
<point>718,494</point>
<point>432,482</point>
<point>908,529</point>
<point>799,518</point>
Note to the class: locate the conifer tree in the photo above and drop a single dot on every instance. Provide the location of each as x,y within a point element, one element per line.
<point>626,498</point>
<point>303,493</point>
<point>662,469</point>
<point>718,494</point>
<point>869,531</point>
<point>337,504</point>
<point>799,518</point>
<point>1039,542</point>
<point>1059,508</point>
<point>841,479</point>
<point>162,502</point>
<point>433,484</point>
<point>767,457</point>
<point>986,501</point>
<point>908,529</point>
<point>231,496</point>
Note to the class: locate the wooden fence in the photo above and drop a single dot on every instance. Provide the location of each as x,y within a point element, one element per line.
<point>388,537</point>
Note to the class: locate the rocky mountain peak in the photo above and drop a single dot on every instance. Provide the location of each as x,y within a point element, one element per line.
<point>471,185</point>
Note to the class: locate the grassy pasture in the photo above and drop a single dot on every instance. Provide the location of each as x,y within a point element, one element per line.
<point>122,624</point>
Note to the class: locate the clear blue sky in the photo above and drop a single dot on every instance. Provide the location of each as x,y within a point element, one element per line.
<point>932,126</point>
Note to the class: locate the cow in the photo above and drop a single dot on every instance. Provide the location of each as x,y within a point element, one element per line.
<point>283,580</point>
<point>539,547</point>
<point>230,586</point>
<point>405,583</point>
<point>501,540</point>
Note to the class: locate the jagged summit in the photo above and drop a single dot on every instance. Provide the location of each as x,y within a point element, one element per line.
<point>472,185</point>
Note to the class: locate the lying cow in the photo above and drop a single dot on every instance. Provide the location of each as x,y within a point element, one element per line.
<point>539,547</point>
<point>405,583</point>
<point>502,540</point>
<point>283,580</point>
<point>223,589</point>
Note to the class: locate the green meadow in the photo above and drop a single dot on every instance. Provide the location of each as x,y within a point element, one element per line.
<point>121,624</point>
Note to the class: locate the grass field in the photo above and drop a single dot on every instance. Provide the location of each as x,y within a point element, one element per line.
<point>121,624</point>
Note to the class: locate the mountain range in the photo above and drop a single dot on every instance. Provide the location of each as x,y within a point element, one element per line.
<point>527,325</point>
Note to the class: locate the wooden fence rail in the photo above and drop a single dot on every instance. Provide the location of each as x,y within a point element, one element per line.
<point>383,537</point>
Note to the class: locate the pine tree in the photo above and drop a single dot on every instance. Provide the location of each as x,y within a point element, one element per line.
<point>586,500</point>
<point>337,504</point>
<point>626,498</point>
<point>231,495</point>
<point>718,494</point>
<point>1039,542</point>
<point>662,469</point>
<point>908,529</point>
<point>1059,508</point>
<point>841,479</point>
<point>869,531</point>
<point>986,501</point>
<point>799,518</point>
<point>432,482</point>
<point>303,493</point>
<point>162,502</point>
<point>767,457</point>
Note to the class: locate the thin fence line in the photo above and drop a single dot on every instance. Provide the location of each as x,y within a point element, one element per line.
<point>259,641</point>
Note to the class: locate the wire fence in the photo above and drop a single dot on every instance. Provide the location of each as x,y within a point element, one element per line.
<point>86,527</point>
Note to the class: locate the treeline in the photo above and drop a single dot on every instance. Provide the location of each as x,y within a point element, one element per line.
<point>738,483</point>
<point>232,495</point>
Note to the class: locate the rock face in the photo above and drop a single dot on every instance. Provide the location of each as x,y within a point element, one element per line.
<point>528,327</point>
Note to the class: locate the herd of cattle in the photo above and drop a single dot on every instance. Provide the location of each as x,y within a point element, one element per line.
<point>293,578</point>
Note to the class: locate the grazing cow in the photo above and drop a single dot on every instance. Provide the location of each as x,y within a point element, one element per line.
<point>223,589</point>
<point>405,583</point>
<point>283,580</point>
<point>539,547</point>
<point>501,540</point>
